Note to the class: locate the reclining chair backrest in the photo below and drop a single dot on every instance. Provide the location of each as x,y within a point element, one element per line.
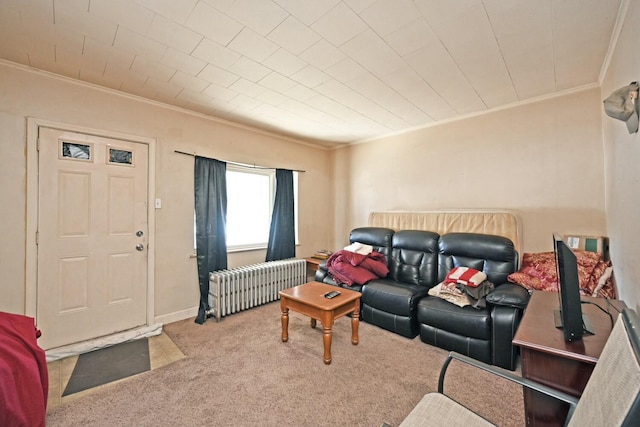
<point>612,394</point>
<point>378,237</point>
<point>493,255</point>
<point>414,257</point>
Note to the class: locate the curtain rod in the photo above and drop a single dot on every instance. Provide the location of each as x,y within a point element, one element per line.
<point>235,163</point>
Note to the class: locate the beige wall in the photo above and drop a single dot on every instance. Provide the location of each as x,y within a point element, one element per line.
<point>28,94</point>
<point>622,153</point>
<point>543,160</point>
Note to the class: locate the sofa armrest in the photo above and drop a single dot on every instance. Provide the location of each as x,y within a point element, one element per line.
<point>509,295</point>
<point>323,275</point>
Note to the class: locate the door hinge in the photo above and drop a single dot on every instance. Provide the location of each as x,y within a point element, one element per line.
<point>37,237</point>
<point>38,144</point>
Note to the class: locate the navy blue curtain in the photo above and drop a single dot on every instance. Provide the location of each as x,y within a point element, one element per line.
<point>282,234</point>
<point>211,219</point>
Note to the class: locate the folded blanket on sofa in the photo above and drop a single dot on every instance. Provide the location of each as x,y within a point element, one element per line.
<point>351,268</point>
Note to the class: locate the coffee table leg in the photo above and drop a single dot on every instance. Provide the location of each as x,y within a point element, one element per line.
<point>327,343</point>
<point>285,321</point>
<point>355,323</point>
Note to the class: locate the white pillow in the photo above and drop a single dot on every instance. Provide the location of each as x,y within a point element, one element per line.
<point>359,248</point>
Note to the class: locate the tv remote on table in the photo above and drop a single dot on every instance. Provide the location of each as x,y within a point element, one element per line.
<point>331,294</point>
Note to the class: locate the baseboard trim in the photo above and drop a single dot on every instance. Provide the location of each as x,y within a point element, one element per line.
<point>177,315</point>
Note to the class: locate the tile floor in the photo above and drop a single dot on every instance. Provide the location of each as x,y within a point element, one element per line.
<point>162,351</point>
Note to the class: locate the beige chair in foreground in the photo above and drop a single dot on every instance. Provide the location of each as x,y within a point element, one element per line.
<point>611,397</point>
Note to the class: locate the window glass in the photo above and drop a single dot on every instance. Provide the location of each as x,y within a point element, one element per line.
<point>76,151</point>
<point>249,205</point>
<point>120,156</point>
<point>250,196</point>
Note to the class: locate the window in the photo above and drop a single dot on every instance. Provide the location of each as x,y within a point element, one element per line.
<point>250,196</point>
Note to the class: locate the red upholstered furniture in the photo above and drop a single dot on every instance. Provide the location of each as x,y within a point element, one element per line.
<point>24,380</point>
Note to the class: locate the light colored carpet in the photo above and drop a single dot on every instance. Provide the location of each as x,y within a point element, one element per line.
<point>239,373</point>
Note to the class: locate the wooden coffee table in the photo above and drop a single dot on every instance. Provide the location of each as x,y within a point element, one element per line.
<point>308,299</point>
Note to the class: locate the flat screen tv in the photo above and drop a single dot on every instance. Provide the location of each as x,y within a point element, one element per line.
<point>569,317</point>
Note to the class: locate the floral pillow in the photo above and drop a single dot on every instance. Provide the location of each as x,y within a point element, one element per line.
<point>539,272</point>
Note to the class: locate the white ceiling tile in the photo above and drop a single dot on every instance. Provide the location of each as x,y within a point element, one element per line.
<point>335,109</point>
<point>435,66</point>
<point>82,22</point>
<point>215,53</point>
<point>124,13</point>
<point>216,75</point>
<point>212,24</point>
<point>293,35</point>
<point>183,62</point>
<point>411,114</point>
<point>410,85</point>
<point>253,45</point>
<point>271,97</point>
<point>177,11</point>
<point>412,36</point>
<point>194,97</point>
<point>174,35</point>
<point>249,69</point>
<point>359,5</point>
<point>387,16</point>
<point>189,82</point>
<point>261,16</point>
<point>222,5</point>
<point>156,70</point>
<point>346,70</point>
<point>219,92</point>
<point>277,82</point>
<point>447,10</point>
<point>284,62</point>
<point>322,55</point>
<point>306,111</point>
<point>370,51</point>
<point>247,87</point>
<point>129,41</point>
<point>63,56</point>
<point>532,77</point>
<point>310,76</point>
<point>333,70</point>
<point>301,93</point>
<point>307,11</point>
<point>38,12</point>
<point>244,101</point>
<point>118,71</point>
<point>348,97</point>
<point>339,25</point>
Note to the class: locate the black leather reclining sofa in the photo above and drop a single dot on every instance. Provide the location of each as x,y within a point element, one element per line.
<point>419,260</point>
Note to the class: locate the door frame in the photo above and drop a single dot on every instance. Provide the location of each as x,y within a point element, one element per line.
<point>31,263</point>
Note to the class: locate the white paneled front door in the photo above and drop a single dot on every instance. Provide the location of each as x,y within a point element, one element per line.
<point>92,236</point>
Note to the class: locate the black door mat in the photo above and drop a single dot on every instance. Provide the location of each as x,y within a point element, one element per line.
<point>109,364</point>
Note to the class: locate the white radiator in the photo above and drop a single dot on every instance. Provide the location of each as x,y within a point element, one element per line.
<point>245,287</point>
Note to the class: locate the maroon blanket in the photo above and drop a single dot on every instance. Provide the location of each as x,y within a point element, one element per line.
<point>351,268</point>
<point>24,380</point>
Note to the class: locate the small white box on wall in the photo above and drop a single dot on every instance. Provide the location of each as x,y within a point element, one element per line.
<point>598,244</point>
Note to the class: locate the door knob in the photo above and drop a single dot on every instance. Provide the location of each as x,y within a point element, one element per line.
<point>140,247</point>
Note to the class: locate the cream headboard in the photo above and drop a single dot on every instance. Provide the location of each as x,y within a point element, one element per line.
<point>497,222</point>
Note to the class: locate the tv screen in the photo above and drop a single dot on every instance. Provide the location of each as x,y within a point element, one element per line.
<point>570,318</point>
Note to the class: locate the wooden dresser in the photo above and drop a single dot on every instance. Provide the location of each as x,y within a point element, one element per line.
<point>548,359</point>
